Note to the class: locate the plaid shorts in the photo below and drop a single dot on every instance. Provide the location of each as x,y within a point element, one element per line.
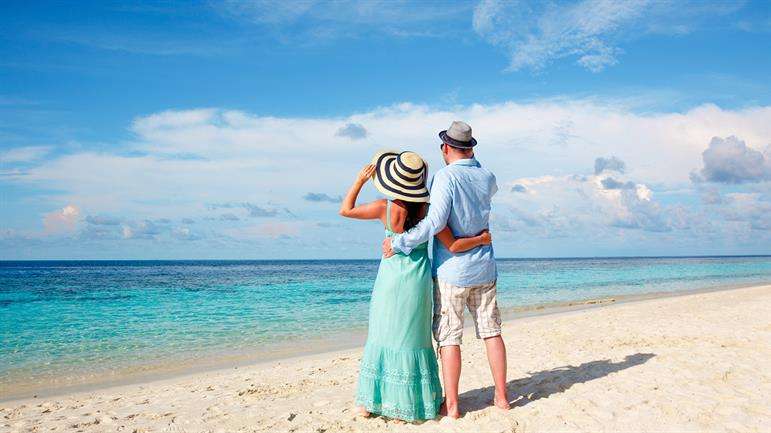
<point>449,303</point>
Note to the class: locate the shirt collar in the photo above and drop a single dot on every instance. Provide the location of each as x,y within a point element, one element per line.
<point>471,162</point>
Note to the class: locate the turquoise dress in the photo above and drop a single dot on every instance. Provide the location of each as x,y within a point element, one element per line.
<point>399,375</point>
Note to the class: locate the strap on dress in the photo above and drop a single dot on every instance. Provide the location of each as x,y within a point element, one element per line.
<point>388,216</point>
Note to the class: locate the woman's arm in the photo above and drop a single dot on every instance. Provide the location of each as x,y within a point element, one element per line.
<point>369,211</point>
<point>457,245</point>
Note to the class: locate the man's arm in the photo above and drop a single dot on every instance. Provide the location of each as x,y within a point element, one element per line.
<point>433,223</point>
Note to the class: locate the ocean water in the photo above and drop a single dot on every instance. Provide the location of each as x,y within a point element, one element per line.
<point>65,323</point>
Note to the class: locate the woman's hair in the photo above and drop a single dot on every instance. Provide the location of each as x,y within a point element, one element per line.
<point>414,214</point>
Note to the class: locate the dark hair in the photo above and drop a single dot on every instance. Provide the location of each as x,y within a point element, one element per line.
<point>463,151</point>
<point>414,214</point>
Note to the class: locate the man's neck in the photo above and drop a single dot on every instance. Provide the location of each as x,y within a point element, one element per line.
<point>454,158</point>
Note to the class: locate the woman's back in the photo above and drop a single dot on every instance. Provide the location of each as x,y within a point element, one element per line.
<point>397,216</point>
<point>403,216</point>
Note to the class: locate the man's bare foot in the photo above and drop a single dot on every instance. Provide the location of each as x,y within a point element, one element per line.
<point>449,411</point>
<point>360,411</point>
<point>501,403</point>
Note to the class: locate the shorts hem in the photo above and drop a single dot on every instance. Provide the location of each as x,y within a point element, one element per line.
<point>488,335</point>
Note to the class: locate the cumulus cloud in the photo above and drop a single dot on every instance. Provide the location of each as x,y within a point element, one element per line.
<point>562,206</point>
<point>61,221</point>
<point>184,234</point>
<point>611,183</point>
<point>729,160</point>
<point>611,164</point>
<point>142,179</point>
<point>100,232</point>
<point>321,197</point>
<point>354,131</point>
<point>640,212</point>
<point>536,33</point>
<point>102,220</point>
<point>750,209</point>
<point>145,229</point>
<point>712,196</point>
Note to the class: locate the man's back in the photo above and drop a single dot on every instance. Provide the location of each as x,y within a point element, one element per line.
<point>471,188</point>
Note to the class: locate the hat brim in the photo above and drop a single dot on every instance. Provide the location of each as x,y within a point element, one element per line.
<point>446,139</point>
<point>388,185</point>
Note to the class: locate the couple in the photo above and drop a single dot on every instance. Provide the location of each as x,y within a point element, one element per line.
<point>399,375</point>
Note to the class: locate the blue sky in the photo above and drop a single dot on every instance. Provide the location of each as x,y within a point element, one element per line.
<point>229,129</point>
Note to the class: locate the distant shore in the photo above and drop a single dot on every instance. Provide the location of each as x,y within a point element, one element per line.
<point>691,362</point>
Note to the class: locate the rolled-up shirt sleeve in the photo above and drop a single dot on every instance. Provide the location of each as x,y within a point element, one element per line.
<point>435,220</point>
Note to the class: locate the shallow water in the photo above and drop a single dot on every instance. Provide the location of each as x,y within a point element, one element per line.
<point>66,322</point>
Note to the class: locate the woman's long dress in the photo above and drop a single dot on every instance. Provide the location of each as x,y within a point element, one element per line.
<point>399,376</point>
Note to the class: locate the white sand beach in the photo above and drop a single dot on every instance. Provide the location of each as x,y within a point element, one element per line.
<point>692,363</point>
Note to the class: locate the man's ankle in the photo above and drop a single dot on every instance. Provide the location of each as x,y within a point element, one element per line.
<point>450,410</point>
<point>501,400</point>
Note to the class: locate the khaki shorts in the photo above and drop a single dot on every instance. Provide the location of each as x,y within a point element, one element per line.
<point>449,303</point>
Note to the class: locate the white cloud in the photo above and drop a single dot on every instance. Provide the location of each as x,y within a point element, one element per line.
<point>311,21</point>
<point>24,154</point>
<point>536,33</point>
<point>729,160</point>
<point>354,131</point>
<point>62,221</point>
<point>180,162</point>
<point>611,164</point>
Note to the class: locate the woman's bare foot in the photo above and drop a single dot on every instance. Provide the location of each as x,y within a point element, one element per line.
<point>501,403</point>
<point>362,412</point>
<point>449,411</point>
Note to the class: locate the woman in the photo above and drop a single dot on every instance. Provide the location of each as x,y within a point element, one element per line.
<point>399,374</point>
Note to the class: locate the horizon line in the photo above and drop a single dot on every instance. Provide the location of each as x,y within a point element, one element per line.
<point>373,259</point>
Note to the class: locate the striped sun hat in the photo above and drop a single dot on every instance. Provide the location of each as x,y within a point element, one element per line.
<point>401,175</point>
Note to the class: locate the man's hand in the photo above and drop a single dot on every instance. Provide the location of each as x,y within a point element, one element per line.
<point>388,251</point>
<point>485,237</point>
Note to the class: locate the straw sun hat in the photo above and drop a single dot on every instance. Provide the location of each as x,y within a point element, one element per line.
<point>401,175</point>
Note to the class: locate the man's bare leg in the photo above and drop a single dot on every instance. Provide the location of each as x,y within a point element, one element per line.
<point>450,376</point>
<point>496,356</point>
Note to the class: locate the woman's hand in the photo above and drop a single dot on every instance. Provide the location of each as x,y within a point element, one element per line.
<point>365,174</point>
<point>485,238</point>
<point>367,211</point>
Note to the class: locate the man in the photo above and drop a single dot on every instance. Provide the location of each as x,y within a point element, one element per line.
<point>460,198</point>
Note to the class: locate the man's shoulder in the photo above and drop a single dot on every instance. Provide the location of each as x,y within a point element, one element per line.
<point>445,173</point>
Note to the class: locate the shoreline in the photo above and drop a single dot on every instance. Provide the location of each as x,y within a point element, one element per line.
<point>688,362</point>
<point>320,347</point>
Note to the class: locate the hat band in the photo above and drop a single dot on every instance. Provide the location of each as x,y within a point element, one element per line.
<point>456,143</point>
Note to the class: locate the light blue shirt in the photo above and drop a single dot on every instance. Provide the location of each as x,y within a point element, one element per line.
<point>460,198</point>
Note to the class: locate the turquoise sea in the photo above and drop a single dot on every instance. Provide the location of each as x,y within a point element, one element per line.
<point>74,322</point>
